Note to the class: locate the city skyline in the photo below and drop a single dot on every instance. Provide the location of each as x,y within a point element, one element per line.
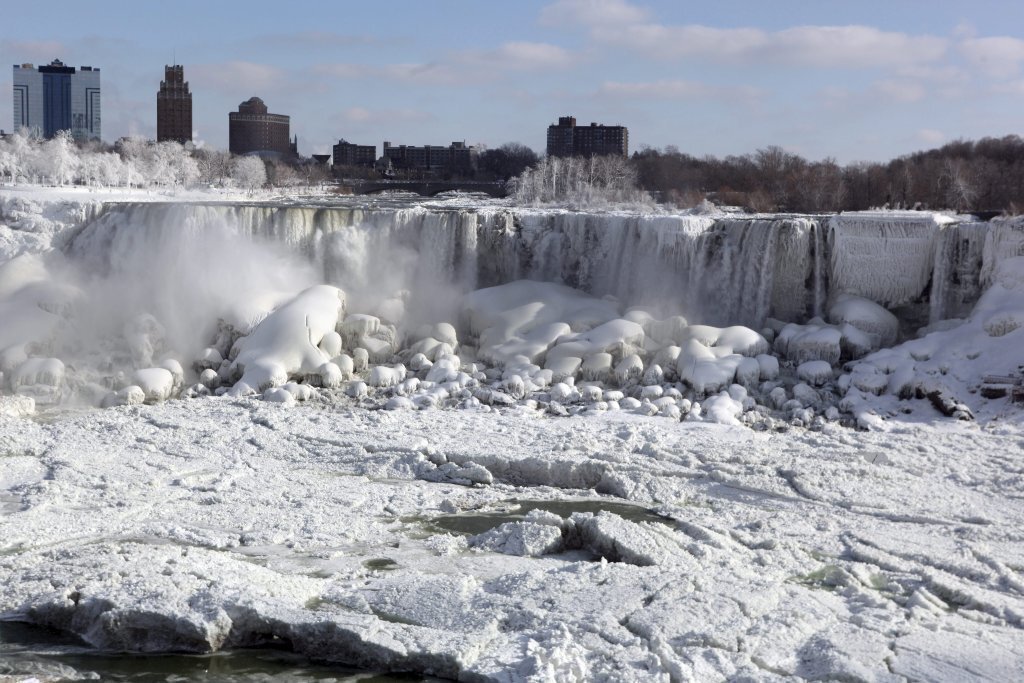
<point>865,83</point>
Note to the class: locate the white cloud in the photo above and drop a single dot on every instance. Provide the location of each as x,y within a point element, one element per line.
<point>362,115</point>
<point>36,52</point>
<point>523,56</point>
<point>676,89</point>
<point>308,39</point>
<point>412,73</point>
<point>899,91</point>
<point>238,76</point>
<point>811,46</point>
<point>592,13</point>
<point>997,56</point>
<point>469,67</point>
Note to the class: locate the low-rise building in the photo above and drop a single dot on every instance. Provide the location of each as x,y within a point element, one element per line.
<point>457,157</point>
<point>567,139</point>
<point>350,154</point>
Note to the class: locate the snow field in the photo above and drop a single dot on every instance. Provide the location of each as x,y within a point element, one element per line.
<point>506,547</point>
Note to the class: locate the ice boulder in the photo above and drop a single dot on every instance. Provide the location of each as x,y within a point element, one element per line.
<point>383,376</point>
<point>41,378</point>
<point>866,316</point>
<point>742,340</point>
<point>722,408</point>
<point>748,372</point>
<point>157,384</point>
<point>814,372</point>
<point>442,332</point>
<point>597,367</point>
<point>286,343</point>
<point>129,396</point>
<point>629,370</point>
<point>802,343</point>
<point>279,395</point>
<point>360,360</point>
<point>356,326</point>
<point>710,375</point>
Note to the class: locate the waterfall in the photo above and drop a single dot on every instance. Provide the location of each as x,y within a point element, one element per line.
<point>716,270</point>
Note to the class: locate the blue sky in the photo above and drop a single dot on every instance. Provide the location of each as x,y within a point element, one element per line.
<point>856,81</point>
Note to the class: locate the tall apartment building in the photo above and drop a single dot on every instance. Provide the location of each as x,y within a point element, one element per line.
<point>350,154</point>
<point>252,130</point>
<point>57,97</point>
<point>567,139</point>
<point>455,157</point>
<point>174,107</point>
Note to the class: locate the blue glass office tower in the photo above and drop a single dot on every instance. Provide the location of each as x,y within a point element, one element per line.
<point>57,97</point>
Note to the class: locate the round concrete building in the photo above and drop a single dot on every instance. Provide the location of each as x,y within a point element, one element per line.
<point>251,130</point>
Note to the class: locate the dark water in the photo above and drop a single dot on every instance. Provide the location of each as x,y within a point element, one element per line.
<point>472,523</point>
<point>31,652</point>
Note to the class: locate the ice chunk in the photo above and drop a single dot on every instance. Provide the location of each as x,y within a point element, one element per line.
<point>17,406</point>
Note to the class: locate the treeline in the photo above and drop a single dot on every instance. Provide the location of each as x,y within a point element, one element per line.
<point>986,175</point>
<point>137,162</point>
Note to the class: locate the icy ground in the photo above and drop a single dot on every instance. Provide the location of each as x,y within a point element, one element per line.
<point>220,523</point>
<point>537,489</point>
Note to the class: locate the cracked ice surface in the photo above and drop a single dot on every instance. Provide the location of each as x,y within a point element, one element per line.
<point>221,523</point>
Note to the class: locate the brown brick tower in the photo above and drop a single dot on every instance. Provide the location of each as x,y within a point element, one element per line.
<point>174,107</point>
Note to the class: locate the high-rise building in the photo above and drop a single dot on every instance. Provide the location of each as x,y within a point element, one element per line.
<point>57,97</point>
<point>567,139</point>
<point>251,130</point>
<point>174,107</point>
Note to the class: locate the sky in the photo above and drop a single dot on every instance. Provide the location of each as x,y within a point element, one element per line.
<point>856,81</point>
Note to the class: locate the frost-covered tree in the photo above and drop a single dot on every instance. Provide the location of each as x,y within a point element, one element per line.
<point>249,173</point>
<point>214,166</point>
<point>580,181</point>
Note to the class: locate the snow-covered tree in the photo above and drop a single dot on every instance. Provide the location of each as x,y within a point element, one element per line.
<point>249,173</point>
<point>61,158</point>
